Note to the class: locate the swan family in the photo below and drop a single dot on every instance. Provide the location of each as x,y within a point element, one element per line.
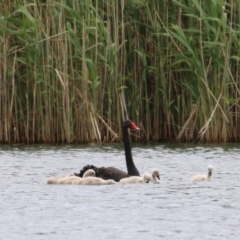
<point>93,175</point>
<point>89,178</point>
<point>112,172</point>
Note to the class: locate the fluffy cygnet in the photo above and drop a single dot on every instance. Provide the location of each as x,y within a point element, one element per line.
<point>59,179</point>
<point>155,175</point>
<point>67,180</point>
<point>53,180</point>
<point>93,181</point>
<point>202,177</point>
<point>146,178</point>
<point>90,179</point>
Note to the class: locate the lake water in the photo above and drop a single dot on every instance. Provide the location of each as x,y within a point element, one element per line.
<point>173,209</point>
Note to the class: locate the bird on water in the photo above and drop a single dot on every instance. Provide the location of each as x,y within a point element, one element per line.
<point>112,172</point>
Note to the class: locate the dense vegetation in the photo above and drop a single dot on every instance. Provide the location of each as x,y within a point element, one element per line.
<point>71,71</point>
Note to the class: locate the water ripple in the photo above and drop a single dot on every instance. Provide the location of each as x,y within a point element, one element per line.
<point>173,209</point>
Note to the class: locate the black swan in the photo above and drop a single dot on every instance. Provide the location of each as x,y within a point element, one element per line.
<point>112,172</point>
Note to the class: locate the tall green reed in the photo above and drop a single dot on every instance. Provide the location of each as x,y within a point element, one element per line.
<point>71,71</point>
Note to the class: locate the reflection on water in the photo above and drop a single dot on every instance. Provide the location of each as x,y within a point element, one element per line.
<point>173,209</point>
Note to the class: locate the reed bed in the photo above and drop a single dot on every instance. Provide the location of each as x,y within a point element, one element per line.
<point>71,71</point>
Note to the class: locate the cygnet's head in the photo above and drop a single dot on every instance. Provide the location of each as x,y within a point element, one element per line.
<point>110,181</point>
<point>89,173</point>
<point>156,173</point>
<point>147,177</point>
<point>71,174</point>
<point>210,168</point>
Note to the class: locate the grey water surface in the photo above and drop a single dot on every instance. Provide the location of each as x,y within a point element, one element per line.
<point>173,209</point>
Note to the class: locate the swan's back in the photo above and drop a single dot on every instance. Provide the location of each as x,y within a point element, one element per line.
<point>105,172</point>
<point>93,181</point>
<point>199,178</point>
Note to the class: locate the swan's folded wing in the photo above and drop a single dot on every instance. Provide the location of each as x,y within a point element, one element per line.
<point>111,173</point>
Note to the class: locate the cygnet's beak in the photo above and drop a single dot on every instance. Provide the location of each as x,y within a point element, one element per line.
<point>158,177</point>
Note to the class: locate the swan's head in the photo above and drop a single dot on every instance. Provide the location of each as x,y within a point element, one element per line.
<point>89,173</point>
<point>156,173</point>
<point>129,124</point>
<point>210,168</point>
<point>147,177</point>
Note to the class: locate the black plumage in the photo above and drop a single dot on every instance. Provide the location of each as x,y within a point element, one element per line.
<point>105,172</point>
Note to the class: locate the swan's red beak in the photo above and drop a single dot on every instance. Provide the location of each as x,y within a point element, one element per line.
<point>133,126</point>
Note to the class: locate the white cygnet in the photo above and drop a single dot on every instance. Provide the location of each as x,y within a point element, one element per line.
<point>89,173</point>
<point>202,177</point>
<point>155,175</point>
<point>67,180</point>
<point>53,180</point>
<point>146,178</point>
<point>93,181</point>
<point>90,179</point>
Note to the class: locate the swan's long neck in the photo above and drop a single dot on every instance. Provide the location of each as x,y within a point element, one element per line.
<point>209,174</point>
<point>132,170</point>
